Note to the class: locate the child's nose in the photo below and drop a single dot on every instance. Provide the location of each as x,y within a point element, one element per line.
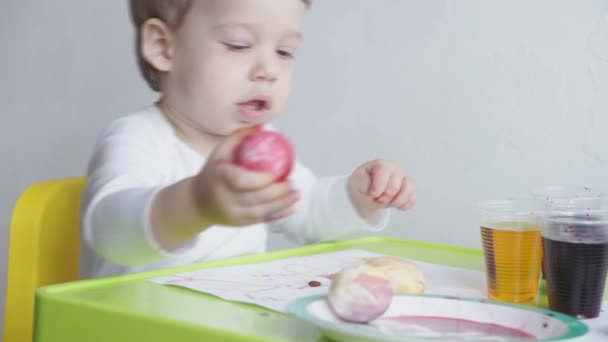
<point>264,69</point>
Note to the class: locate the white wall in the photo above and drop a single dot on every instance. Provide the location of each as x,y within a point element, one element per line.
<point>476,98</point>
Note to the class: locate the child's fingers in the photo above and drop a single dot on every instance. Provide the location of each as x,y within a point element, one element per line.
<point>261,212</point>
<point>380,177</point>
<point>264,195</point>
<point>393,188</point>
<point>410,203</point>
<point>282,214</point>
<point>404,194</point>
<point>401,200</point>
<point>240,179</point>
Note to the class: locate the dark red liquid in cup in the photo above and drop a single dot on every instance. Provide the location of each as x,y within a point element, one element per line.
<point>576,275</point>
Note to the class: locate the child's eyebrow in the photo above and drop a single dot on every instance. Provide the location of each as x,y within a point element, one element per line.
<point>251,27</point>
<point>232,25</point>
<point>294,34</point>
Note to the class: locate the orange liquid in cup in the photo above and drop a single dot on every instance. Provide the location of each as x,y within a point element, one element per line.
<point>513,261</point>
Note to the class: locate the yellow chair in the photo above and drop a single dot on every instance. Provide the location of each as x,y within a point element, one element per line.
<point>43,249</point>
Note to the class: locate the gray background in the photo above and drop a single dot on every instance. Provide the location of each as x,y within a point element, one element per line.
<point>476,99</point>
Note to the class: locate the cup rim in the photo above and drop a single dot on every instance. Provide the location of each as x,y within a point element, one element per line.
<point>574,217</point>
<point>566,192</point>
<point>518,205</point>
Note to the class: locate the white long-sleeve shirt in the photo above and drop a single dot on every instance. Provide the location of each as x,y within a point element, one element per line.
<point>139,154</point>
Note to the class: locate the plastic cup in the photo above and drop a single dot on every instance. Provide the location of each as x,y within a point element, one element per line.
<point>576,261</point>
<point>511,242</point>
<point>567,198</point>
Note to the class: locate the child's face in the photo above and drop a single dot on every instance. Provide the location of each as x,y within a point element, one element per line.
<point>232,62</point>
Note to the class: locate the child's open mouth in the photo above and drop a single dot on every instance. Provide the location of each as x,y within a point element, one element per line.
<point>255,108</point>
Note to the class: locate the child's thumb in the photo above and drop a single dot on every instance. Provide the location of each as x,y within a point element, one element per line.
<point>223,152</point>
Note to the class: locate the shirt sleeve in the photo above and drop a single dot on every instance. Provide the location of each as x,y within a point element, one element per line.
<point>123,178</point>
<point>325,211</point>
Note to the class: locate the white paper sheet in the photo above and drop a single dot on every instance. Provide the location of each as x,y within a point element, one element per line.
<point>274,284</point>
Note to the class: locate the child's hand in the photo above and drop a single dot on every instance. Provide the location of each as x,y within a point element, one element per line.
<point>380,184</point>
<point>228,194</point>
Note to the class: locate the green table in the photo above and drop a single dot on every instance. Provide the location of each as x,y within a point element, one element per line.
<point>131,308</point>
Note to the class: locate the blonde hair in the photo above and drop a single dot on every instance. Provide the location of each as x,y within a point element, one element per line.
<point>172,13</point>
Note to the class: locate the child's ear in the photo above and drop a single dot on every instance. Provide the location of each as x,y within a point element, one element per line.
<point>156,44</point>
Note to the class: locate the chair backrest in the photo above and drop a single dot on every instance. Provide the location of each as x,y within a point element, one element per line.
<point>43,249</point>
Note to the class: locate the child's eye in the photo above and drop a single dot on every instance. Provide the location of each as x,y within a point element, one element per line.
<point>285,54</point>
<point>236,47</point>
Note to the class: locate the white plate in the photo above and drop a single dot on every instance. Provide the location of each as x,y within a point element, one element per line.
<point>443,318</point>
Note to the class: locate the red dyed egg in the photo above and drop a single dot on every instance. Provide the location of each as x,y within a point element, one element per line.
<point>266,151</point>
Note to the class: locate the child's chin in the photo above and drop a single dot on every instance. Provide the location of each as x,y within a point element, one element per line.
<point>252,123</point>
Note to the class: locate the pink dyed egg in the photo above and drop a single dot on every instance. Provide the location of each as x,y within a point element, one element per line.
<point>358,297</point>
<point>266,151</point>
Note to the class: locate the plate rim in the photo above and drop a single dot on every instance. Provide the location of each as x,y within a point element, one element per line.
<point>576,328</point>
